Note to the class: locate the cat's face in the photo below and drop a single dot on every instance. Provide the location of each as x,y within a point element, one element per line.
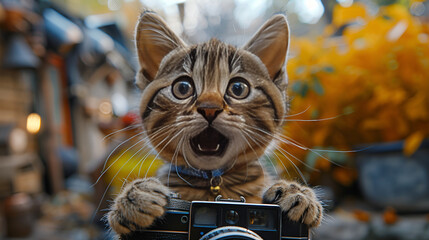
<point>211,105</point>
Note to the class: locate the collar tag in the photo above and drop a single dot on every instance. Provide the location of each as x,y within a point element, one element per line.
<point>215,183</point>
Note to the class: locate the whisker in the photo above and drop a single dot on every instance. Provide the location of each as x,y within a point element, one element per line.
<point>256,155</point>
<point>296,114</point>
<point>157,155</point>
<point>145,157</point>
<point>314,120</point>
<point>278,159</point>
<point>278,148</point>
<point>108,157</point>
<point>175,154</point>
<point>117,158</point>
<point>272,164</point>
<point>138,163</point>
<point>111,181</point>
<point>121,130</point>
<point>174,126</point>
<point>186,159</point>
<point>298,120</point>
<point>254,140</point>
<point>295,167</point>
<point>248,143</point>
<point>292,142</point>
<point>178,174</point>
<point>243,149</point>
<point>297,170</point>
<point>297,159</point>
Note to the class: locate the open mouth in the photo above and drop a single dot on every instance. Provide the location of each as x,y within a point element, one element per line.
<point>209,142</point>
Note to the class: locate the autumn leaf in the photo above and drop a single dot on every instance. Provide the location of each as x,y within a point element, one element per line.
<point>361,215</point>
<point>360,88</point>
<point>343,15</point>
<point>389,216</point>
<point>412,143</point>
<point>344,176</point>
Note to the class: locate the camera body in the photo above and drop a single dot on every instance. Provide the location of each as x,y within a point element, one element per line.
<point>224,219</point>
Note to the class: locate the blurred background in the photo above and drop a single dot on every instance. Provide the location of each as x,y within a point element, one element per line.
<point>358,126</point>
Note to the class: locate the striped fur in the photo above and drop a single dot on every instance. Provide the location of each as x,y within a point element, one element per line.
<point>243,181</point>
<point>211,65</point>
<point>250,124</point>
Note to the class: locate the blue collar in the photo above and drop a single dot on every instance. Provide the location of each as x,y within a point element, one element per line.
<point>206,174</point>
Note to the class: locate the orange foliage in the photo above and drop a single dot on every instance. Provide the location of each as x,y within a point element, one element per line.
<point>362,215</point>
<point>344,176</point>
<point>368,85</point>
<point>389,216</point>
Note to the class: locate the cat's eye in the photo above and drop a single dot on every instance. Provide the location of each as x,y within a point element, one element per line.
<point>238,88</point>
<point>182,88</point>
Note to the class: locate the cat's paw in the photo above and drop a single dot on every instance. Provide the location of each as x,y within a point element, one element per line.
<point>138,205</point>
<point>299,202</point>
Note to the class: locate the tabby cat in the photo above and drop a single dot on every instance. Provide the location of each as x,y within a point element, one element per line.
<point>211,110</point>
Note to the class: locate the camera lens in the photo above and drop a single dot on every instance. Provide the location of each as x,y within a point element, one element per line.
<point>231,233</point>
<point>231,217</point>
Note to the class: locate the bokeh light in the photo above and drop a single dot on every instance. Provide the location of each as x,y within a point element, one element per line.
<point>34,123</point>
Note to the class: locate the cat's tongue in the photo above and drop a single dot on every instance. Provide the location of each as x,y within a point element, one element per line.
<point>209,142</point>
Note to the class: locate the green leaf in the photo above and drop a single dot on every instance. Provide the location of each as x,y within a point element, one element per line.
<point>304,90</point>
<point>314,114</point>
<point>386,17</point>
<point>296,86</point>
<point>329,69</point>
<point>300,70</point>
<point>311,159</point>
<point>317,86</point>
<point>336,156</point>
<point>348,110</point>
<point>386,2</point>
<point>300,87</point>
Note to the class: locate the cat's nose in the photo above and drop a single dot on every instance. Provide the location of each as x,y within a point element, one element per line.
<point>209,111</point>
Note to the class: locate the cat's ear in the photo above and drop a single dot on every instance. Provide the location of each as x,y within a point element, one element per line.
<point>154,40</point>
<point>271,43</point>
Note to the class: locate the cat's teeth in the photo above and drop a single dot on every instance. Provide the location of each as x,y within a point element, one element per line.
<point>201,149</point>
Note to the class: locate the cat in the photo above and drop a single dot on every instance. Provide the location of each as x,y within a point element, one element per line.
<point>211,110</point>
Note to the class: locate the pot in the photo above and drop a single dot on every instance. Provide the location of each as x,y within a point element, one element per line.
<point>389,178</point>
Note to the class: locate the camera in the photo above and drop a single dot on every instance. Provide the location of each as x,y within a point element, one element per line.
<point>221,219</point>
